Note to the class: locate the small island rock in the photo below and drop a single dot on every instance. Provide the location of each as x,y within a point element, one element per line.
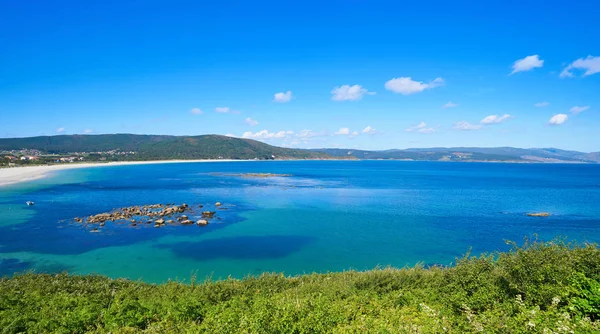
<point>538,214</point>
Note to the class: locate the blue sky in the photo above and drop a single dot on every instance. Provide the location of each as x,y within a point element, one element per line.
<point>362,74</point>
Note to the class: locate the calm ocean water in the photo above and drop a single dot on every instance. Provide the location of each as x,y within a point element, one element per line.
<point>329,216</point>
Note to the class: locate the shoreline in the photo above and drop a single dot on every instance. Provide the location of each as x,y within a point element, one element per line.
<point>14,175</point>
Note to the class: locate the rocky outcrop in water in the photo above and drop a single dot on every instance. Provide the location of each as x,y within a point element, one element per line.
<point>158,214</point>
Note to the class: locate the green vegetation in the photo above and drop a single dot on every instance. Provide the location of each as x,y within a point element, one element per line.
<point>128,147</point>
<point>538,288</point>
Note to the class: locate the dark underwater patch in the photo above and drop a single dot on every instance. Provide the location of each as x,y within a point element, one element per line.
<point>11,266</point>
<point>240,248</point>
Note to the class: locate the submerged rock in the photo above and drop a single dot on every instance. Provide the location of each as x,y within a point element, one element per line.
<point>538,214</point>
<point>208,214</point>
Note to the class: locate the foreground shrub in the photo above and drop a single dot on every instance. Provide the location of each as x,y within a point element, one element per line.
<point>536,288</point>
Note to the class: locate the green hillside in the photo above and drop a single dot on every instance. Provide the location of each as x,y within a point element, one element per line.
<point>540,288</point>
<point>149,147</point>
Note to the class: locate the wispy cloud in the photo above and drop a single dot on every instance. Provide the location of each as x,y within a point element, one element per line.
<point>527,64</point>
<point>416,127</point>
<point>265,134</point>
<point>349,93</point>
<point>306,133</point>
<point>222,110</point>
<point>558,119</point>
<point>542,104</point>
<point>60,130</point>
<point>251,122</point>
<point>283,97</point>
<point>495,119</point>
<point>196,111</point>
<point>466,126</point>
<point>577,109</point>
<point>591,65</point>
<point>407,86</point>
<point>88,131</point>
<point>449,105</point>
<point>421,128</point>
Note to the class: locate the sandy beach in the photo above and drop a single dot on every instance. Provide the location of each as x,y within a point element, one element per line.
<point>14,175</point>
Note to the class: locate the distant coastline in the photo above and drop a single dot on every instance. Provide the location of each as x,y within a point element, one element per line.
<point>19,174</point>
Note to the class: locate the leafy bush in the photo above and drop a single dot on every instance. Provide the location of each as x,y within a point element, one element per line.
<point>535,288</point>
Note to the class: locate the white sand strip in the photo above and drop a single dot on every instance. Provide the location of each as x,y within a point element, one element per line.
<point>13,175</point>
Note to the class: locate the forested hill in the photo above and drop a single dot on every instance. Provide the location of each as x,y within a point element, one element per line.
<point>159,147</point>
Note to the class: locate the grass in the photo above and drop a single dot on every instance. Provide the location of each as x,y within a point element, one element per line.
<point>539,287</point>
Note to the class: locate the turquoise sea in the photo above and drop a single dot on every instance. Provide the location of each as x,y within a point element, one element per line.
<point>328,216</point>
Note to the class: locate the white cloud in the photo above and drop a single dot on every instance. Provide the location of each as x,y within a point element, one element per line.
<point>416,127</point>
<point>542,104</point>
<point>251,122</point>
<point>283,97</point>
<point>342,131</point>
<point>591,65</point>
<point>59,130</point>
<point>265,134</point>
<point>222,110</point>
<point>369,130</point>
<point>88,131</point>
<point>577,109</point>
<point>466,126</point>
<point>196,111</point>
<point>558,119</point>
<point>421,128</point>
<point>407,86</point>
<point>349,93</point>
<point>354,134</point>
<point>527,64</point>
<point>449,105</point>
<point>230,135</point>
<point>495,119</point>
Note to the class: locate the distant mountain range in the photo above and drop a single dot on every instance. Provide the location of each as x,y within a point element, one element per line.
<point>504,154</point>
<point>153,147</point>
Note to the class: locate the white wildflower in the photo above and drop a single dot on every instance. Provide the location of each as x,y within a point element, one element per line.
<point>555,301</point>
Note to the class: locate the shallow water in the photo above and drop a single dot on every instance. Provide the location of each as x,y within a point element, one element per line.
<point>329,216</point>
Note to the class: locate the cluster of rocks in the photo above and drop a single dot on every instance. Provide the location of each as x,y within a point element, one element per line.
<point>157,214</point>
